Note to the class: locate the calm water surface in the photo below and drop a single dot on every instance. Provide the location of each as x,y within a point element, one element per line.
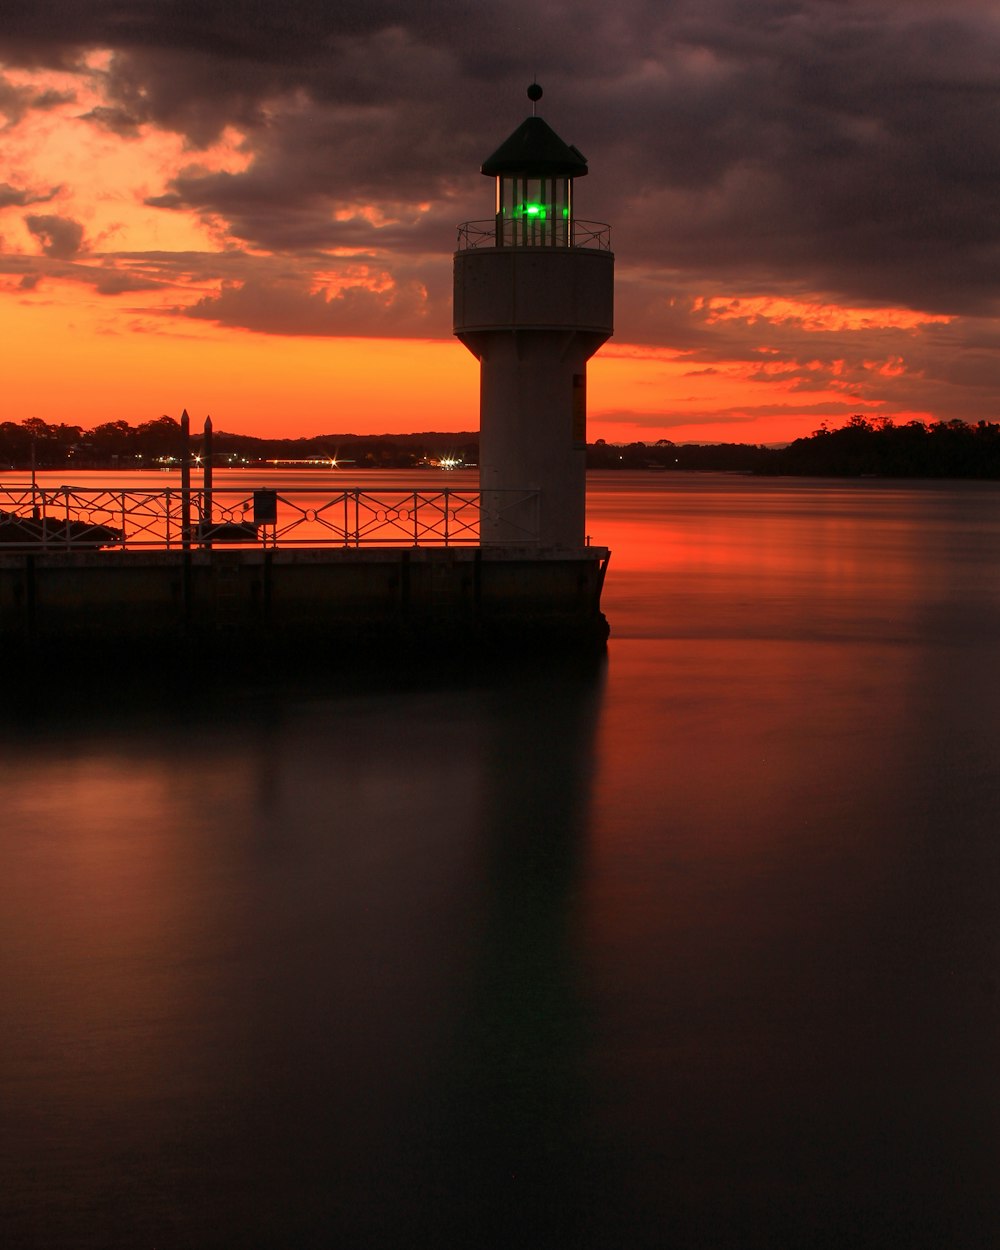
<point>697,950</point>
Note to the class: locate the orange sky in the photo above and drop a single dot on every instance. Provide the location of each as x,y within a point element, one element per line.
<point>75,360</point>
<point>97,287</point>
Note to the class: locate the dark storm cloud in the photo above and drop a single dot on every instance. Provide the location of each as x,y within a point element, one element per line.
<point>16,101</point>
<point>118,120</point>
<point>21,197</point>
<point>289,308</point>
<point>271,295</point>
<point>60,237</point>
<point>318,217</point>
<point>811,147</point>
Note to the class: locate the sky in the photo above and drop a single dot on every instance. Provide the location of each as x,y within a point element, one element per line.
<point>250,210</point>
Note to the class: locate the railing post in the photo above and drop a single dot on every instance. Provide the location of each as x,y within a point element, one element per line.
<point>208,518</point>
<point>185,481</point>
<point>34,480</point>
<point>416,531</point>
<point>46,537</point>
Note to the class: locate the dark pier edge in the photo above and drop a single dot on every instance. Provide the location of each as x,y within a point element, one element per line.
<point>255,610</point>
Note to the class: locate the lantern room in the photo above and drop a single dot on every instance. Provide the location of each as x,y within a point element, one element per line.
<point>534,171</point>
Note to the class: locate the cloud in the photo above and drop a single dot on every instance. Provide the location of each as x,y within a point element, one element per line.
<point>52,99</point>
<point>20,197</point>
<point>808,416</point>
<point>117,120</point>
<point>60,237</point>
<point>670,420</point>
<point>11,195</point>
<point>259,212</point>
<point>826,150</point>
<point>109,280</point>
<point>290,308</point>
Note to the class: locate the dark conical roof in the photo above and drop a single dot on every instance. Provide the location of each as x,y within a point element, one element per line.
<point>536,151</point>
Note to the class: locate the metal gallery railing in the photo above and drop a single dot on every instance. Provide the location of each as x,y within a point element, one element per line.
<point>68,518</point>
<point>592,236</point>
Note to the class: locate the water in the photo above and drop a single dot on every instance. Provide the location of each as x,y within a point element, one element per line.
<point>696,950</point>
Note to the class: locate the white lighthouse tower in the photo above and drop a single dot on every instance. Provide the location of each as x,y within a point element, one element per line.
<point>534,300</point>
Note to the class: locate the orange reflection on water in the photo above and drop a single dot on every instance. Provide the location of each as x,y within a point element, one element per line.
<point>704,555</point>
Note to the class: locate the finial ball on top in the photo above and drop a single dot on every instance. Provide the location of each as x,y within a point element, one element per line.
<point>534,92</point>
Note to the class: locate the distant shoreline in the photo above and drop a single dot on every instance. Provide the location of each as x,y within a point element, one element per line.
<point>863,447</point>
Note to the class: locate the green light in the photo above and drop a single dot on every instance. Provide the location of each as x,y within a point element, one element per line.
<point>531,210</point>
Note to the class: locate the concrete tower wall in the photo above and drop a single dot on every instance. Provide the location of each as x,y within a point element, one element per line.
<point>507,288</point>
<point>533,318</point>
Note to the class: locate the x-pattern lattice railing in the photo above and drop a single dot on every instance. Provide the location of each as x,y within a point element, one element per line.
<point>69,518</point>
<point>586,235</point>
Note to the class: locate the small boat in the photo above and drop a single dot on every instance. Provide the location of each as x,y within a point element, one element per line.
<point>32,531</point>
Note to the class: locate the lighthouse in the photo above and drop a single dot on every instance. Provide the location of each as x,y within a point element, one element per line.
<point>534,300</point>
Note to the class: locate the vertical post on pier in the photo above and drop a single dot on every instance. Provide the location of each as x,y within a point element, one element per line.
<point>207,517</point>
<point>185,481</point>
<point>35,513</point>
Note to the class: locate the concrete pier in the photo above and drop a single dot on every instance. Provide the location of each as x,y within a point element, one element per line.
<point>312,601</point>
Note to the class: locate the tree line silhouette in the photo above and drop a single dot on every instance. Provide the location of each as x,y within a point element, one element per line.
<point>116,444</point>
<point>863,447</point>
<point>877,447</point>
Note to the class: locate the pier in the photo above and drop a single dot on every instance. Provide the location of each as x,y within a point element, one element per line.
<point>272,571</point>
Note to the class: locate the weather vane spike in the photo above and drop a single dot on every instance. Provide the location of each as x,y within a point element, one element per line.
<point>534,95</point>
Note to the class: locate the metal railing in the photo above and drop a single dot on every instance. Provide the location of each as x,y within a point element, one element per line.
<point>67,518</point>
<point>588,235</point>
